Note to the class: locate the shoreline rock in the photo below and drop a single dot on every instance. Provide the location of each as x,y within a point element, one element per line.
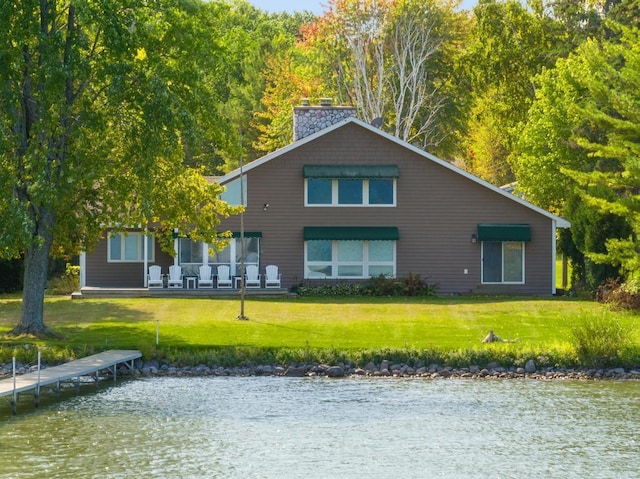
<point>385,369</point>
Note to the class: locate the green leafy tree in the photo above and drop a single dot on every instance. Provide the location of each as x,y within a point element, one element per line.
<point>101,104</point>
<point>288,74</point>
<point>508,45</point>
<point>579,151</point>
<point>609,72</point>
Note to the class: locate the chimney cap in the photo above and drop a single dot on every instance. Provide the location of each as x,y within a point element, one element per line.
<point>326,101</point>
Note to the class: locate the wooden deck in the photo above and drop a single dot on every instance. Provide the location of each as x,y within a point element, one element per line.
<point>33,381</point>
<point>93,292</point>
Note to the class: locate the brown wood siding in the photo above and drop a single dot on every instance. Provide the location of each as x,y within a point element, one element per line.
<point>100,273</point>
<point>437,212</point>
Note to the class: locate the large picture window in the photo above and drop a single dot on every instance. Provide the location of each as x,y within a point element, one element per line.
<point>349,259</point>
<point>129,247</point>
<point>503,262</point>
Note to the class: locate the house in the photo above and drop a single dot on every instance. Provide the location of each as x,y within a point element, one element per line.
<point>346,201</point>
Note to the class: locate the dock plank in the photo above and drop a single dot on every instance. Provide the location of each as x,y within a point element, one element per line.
<point>73,369</point>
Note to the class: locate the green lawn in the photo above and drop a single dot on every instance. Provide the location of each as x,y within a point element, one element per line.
<point>559,273</point>
<point>317,323</point>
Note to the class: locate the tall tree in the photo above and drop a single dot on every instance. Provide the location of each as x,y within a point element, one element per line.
<point>100,103</point>
<point>508,45</point>
<point>392,59</point>
<point>579,149</point>
<point>610,74</point>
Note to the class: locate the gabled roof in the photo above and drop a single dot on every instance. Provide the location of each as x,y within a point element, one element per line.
<point>560,222</point>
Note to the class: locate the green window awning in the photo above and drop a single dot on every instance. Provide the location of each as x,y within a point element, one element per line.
<point>235,234</point>
<point>504,232</point>
<point>247,234</point>
<point>380,233</point>
<point>350,171</point>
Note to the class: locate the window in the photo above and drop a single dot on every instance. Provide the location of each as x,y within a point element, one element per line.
<point>129,247</point>
<point>319,191</point>
<point>234,251</point>
<point>189,252</point>
<point>232,194</point>
<point>349,259</point>
<point>350,192</point>
<point>350,185</point>
<point>503,262</point>
<point>381,192</point>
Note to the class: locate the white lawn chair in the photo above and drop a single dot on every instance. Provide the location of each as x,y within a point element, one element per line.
<point>272,277</point>
<point>154,278</point>
<point>224,280</point>
<point>252,278</point>
<point>174,279</point>
<point>205,280</point>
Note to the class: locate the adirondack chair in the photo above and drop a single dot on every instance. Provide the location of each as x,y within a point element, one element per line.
<point>224,280</point>
<point>175,277</point>
<point>154,278</point>
<point>272,277</point>
<point>252,278</point>
<point>205,279</point>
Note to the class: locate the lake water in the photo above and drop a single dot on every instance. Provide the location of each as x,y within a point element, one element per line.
<point>320,428</point>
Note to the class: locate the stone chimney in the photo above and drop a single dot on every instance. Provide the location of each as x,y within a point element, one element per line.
<point>308,119</point>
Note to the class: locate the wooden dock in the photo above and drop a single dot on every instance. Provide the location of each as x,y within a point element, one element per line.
<point>88,366</point>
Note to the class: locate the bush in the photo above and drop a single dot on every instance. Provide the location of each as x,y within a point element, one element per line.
<point>381,285</point>
<point>600,341</point>
<point>625,295</point>
<point>67,282</point>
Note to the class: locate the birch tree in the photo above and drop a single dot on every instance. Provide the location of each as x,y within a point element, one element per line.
<point>386,58</point>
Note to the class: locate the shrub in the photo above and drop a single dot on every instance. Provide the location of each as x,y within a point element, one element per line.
<point>414,285</point>
<point>625,295</point>
<point>66,283</point>
<point>600,341</point>
<point>382,285</point>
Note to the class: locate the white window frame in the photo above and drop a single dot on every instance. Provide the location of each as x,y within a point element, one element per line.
<point>502,263</point>
<point>334,194</point>
<point>139,247</point>
<point>334,263</point>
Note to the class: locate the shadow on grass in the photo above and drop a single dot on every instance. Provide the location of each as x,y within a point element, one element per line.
<point>90,325</point>
<point>431,300</point>
<point>289,328</point>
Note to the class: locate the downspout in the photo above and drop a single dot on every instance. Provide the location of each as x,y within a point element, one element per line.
<point>553,257</point>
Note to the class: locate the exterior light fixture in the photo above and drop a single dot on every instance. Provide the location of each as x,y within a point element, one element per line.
<point>474,238</point>
<point>266,205</point>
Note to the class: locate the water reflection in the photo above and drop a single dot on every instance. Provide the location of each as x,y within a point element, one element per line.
<point>320,428</point>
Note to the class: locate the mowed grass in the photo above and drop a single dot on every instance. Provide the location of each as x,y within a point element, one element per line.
<point>315,323</point>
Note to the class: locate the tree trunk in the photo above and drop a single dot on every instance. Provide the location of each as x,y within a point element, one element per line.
<point>36,264</point>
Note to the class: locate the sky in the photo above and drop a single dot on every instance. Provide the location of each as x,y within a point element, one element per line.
<point>315,6</point>
<point>275,6</point>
